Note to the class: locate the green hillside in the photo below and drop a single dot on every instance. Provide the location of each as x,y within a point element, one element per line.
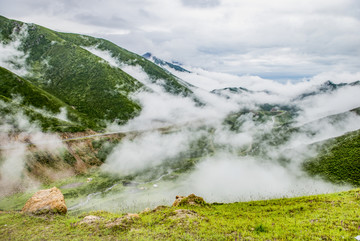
<point>37,104</point>
<point>338,160</point>
<point>169,82</point>
<point>58,63</point>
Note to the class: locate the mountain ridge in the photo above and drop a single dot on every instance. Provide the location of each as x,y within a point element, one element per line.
<point>57,63</point>
<point>164,63</point>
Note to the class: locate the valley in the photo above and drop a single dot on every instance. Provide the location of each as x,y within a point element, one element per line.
<point>117,133</point>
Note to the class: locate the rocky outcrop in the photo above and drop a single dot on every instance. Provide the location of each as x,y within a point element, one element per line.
<point>46,201</point>
<point>191,200</point>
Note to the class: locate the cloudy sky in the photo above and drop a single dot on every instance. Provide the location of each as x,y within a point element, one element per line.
<point>277,39</point>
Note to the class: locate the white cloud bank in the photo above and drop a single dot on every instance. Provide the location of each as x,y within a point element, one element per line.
<point>222,174</point>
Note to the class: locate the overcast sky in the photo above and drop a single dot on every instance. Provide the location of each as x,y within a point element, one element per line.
<point>278,39</point>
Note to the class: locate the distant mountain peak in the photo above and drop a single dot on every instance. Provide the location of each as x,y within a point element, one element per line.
<point>162,63</point>
<point>329,82</point>
<point>147,55</point>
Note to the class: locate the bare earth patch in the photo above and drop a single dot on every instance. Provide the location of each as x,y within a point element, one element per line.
<point>124,222</point>
<point>91,219</point>
<point>183,214</point>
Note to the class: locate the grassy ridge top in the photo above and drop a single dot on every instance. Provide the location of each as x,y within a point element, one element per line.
<point>320,217</point>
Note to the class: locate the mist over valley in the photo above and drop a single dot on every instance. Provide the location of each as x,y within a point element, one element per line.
<point>121,132</point>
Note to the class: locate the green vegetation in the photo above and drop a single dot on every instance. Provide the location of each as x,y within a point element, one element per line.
<point>37,104</point>
<point>339,160</point>
<point>104,147</point>
<point>320,217</point>
<point>91,90</point>
<point>169,82</point>
<point>66,78</point>
<point>75,193</point>
<point>81,79</point>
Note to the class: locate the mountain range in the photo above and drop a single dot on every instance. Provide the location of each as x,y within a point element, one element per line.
<point>120,132</point>
<point>90,89</point>
<point>85,85</point>
<point>72,83</point>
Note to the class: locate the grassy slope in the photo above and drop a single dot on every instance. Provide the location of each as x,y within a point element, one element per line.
<point>320,217</point>
<point>59,65</point>
<point>171,82</point>
<point>12,85</point>
<point>82,79</point>
<point>339,160</point>
<point>74,75</point>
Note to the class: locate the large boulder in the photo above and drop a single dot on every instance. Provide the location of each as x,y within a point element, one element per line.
<point>191,200</point>
<point>49,201</point>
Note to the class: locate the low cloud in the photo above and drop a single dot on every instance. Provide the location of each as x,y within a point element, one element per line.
<point>17,132</point>
<point>230,170</point>
<point>148,150</point>
<point>228,178</point>
<point>227,164</point>
<point>12,57</point>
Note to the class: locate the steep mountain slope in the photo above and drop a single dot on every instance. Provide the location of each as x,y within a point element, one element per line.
<point>163,63</point>
<point>59,64</point>
<point>18,94</point>
<point>169,82</point>
<point>72,74</point>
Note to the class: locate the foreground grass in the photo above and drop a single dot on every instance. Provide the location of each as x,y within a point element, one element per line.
<point>321,217</point>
